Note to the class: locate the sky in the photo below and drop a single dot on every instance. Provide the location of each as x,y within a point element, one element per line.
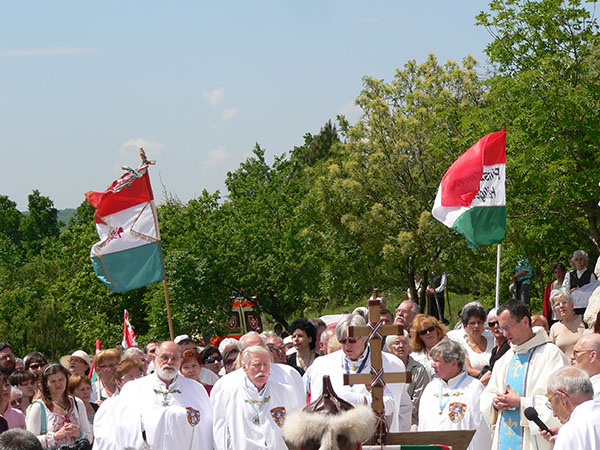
<point>84,84</point>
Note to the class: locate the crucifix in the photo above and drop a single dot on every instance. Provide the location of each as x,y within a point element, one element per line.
<point>376,380</point>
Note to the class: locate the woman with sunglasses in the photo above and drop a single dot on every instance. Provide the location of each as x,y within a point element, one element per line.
<point>500,348</point>
<point>57,418</point>
<point>477,344</point>
<point>426,331</point>
<point>212,363</point>
<point>566,332</point>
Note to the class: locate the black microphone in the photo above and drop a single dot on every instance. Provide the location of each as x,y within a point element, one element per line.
<point>532,415</point>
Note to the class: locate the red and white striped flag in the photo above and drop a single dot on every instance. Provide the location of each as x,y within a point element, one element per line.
<point>128,333</point>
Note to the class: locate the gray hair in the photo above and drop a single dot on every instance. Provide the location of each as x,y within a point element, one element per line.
<point>229,342</point>
<point>251,333</point>
<point>413,305</point>
<point>349,320</point>
<point>572,381</point>
<point>254,351</point>
<point>560,293</point>
<point>19,439</point>
<point>132,352</point>
<point>391,338</point>
<point>493,314</point>
<point>448,350</point>
<point>581,253</point>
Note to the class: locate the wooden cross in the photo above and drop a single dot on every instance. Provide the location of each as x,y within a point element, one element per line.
<point>376,378</point>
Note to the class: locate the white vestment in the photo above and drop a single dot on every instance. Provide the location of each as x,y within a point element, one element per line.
<point>455,406</point>
<point>595,379</point>
<point>397,403</point>
<point>582,431</point>
<point>177,417</point>
<point>545,359</point>
<point>245,419</point>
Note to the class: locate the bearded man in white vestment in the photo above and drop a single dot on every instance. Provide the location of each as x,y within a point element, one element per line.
<point>519,380</point>
<point>163,410</point>
<point>249,411</point>
<point>451,400</point>
<point>354,357</point>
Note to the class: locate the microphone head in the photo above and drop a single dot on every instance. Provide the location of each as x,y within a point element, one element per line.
<point>531,413</point>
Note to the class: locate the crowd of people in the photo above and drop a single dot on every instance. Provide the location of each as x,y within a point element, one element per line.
<point>484,375</point>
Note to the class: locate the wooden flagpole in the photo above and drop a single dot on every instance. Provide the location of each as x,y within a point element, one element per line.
<point>162,259</point>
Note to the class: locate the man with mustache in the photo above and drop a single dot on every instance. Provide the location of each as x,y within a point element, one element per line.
<point>163,410</point>
<point>249,411</point>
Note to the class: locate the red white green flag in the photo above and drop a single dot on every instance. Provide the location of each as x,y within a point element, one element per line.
<point>129,253</point>
<point>471,198</point>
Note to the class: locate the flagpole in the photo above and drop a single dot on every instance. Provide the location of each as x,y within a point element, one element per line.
<point>162,259</point>
<point>498,276</point>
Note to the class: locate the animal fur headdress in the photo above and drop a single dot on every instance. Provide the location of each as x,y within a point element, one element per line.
<point>329,422</point>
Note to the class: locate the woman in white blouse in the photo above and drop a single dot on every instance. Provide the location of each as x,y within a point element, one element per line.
<point>57,418</point>
<point>477,345</point>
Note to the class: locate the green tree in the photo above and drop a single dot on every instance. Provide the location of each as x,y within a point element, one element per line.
<point>546,90</point>
<point>10,219</point>
<point>40,222</point>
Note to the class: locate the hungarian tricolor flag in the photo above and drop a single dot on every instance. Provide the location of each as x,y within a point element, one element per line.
<point>129,253</point>
<point>128,333</point>
<point>471,198</point>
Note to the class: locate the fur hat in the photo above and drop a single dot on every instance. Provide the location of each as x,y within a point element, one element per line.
<point>328,417</point>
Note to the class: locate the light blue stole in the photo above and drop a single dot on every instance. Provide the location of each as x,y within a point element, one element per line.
<point>511,432</point>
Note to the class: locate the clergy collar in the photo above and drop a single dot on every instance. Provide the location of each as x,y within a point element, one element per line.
<point>454,381</point>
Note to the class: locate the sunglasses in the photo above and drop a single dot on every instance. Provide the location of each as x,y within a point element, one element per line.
<point>348,340</point>
<point>212,359</point>
<point>229,362</point>
<point>492,323</point>
<point>427,330</point>
<point>35,366</point>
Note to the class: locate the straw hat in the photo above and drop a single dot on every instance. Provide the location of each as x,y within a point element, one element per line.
<point>66,360</point>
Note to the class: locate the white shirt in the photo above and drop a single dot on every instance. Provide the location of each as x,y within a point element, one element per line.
<point>208,377</point>
<point>595,379</point>
<point>177,417</point>
<point>246,419</point>
<point>397,403</point>
<point>582,431</point>
<point>457,408</point>
<point>477,360</point>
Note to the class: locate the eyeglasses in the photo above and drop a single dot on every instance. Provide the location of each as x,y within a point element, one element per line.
<point>492,323</point>
<point>348,340</point>
<point>212,359</point>
<point>430,329</point>
<point>576,353</point>
<point>549,402</point>
<point>578,259</point>
<point>474,324</point>
<point>229,362</point>
<point>506,328</point>
<point>166,358</point>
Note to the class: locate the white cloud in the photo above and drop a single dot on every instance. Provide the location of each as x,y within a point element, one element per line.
<point>214,97</point>
<point>352,112</point>
<point>229,113</point>
<point>215,156</point>
<point>49,51</point>
<point>151,148</point>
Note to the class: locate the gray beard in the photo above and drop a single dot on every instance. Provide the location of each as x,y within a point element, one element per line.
<point>166,375</point>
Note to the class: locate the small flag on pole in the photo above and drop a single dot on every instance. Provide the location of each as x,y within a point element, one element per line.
<point>471,198</point>
<point>129,254</point>
<point>93,374</point>
<point>128,333</point>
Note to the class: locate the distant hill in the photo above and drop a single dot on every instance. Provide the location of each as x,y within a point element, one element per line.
<point>65,214</point>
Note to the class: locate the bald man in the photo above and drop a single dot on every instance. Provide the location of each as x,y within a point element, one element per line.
<point>586,356</point>
<point>163,410</point>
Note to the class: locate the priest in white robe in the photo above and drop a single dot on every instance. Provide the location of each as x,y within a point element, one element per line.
<point>519,380</point>
<point>451,400</point>
<point>355,357</point>
<point>249,410</point>
<point>162,411</point>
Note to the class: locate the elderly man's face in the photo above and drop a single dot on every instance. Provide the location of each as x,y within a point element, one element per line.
<point>258,369</point>
<point>168,360</point>
<point>559,407</point>
<point>405,315</point>
<point>400,347</point>
<point>353,347</point>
